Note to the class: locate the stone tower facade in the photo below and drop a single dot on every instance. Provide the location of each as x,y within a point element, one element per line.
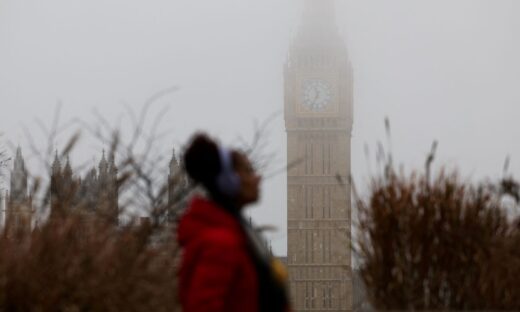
<point>318,120</point>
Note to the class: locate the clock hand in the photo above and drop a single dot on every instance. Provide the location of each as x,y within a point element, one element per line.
<point>316,93</point>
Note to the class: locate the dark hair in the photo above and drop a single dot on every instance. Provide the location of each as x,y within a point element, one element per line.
<point>202,160</point>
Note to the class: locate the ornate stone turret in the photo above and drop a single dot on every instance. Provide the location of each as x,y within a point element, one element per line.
<point>174,164</point>
<point>97,192</point>
<point>108,189</point>
<point>319,19</point>
<point>19,210</point>
<point>56,164</point>
<point>176,185</point>
<point>56,186</point>
<point>67,171</point>
<point>112,168</point>
<point>318,35</point>
<point>103,166</point>
<point>18,190</point>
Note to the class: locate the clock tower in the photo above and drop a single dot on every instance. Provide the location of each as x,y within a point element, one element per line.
<point>318,120</point>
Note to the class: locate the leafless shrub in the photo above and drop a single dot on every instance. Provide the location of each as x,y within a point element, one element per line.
<point>144,186</point>
<point>444,244</point>
<point>73,264</point>
<point>78,259</point>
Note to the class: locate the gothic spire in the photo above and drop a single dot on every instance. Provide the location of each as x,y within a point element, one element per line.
<point>318,28</point>
<point>67,171</point>
<point>103,164</point>
<point>319,11</point>
<point>174,164</point>
<point>319,16</point>
<point>112,159</point>
<point>112,163</point>
<point>56,164</point>
<point>19,163</point>
<point>19,177</point>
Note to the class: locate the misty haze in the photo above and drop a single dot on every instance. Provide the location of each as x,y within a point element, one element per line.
<point>319,91</point>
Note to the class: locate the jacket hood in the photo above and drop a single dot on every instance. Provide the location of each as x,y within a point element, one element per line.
<point>202,215</point>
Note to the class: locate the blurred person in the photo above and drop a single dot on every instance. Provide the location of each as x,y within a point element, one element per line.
<point>226,265</point>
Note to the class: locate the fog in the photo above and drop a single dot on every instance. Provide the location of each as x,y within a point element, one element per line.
<point>439,70</point>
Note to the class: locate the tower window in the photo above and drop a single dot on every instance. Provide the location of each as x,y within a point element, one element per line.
<point>307,204</point>
<point>312,158</point>
<point>307,247</point>
<point>330,203</point>
<point>322,160</point>
<point>323,203</point>
<point>329,159</point>
<point>329,246</point>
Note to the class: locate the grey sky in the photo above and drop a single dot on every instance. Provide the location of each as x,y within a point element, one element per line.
<point>445,70</point>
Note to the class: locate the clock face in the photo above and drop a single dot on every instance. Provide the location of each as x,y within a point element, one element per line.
<point>317,94</point>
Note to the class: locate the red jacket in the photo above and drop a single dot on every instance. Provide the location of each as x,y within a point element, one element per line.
<point>217,272</point>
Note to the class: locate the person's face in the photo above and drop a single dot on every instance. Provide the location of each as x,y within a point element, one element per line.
<point>249,181</point>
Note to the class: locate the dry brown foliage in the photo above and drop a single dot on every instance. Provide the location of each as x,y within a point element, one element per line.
<point>79,264</point>
<point>80,260</point>
<point>441,245</point>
